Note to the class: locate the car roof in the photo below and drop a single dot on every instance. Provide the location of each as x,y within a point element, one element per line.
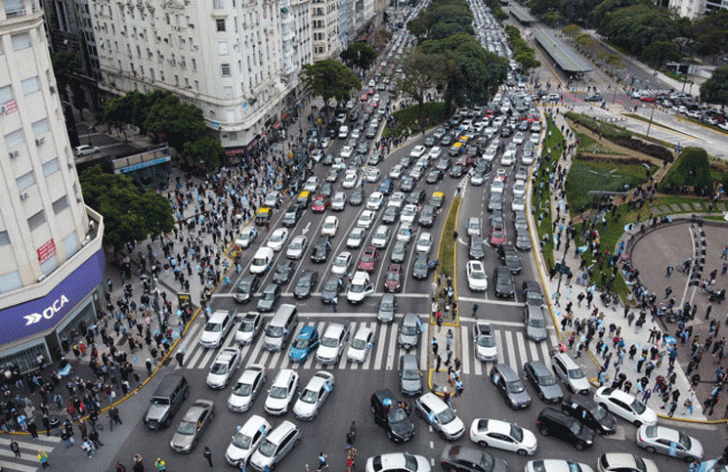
<point>253,425</point>
<point>507,372</point>
<point>218,316</point>
<point>283,376</point>
<point>665,433</point>
<point>250,373</point>
<point>194,412</point>
<point>227,353</point>
<point>317,381</point>
<point>433,401</point>
<point>333,330</point>
<point>410,318</point>
<point>330,218</point>
<point>306,332</point>
<point>362,333</point>
<point>280,431</point>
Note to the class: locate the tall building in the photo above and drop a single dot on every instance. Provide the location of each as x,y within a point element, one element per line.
<point>695,8</point>
<point>237,60</point>
<point>51,256</point>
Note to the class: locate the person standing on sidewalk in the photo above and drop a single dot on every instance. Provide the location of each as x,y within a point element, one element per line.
<point>207,454</point>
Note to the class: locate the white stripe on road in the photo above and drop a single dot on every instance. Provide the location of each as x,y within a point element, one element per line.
<point>392,346</point>
<point>424,345</point>
<point>366,365</point>
<point>380,344</point>
<point>521,350</point>
<point>15,466</point>
<point>500,344</point>
<point>465,352</point>
<point>511,350</point>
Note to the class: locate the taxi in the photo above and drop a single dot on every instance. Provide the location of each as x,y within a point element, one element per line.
<point>263,216</point>
<point>438,198</point>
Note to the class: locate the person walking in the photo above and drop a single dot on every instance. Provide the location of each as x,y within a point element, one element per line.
<point>114,415</point>
<point>160,465</point>
<point>323,464</point>
<point>15,448</point>
<point>207,454</point>
<point>138,464</point>
<point>33,429</point>
<point>43,458</point>
<point>120,467</point>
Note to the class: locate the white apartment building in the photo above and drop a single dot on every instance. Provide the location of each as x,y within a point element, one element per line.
<point>237,60</point>
<point>51,257</point>
<point>326,23</point>
<point>696,8</point>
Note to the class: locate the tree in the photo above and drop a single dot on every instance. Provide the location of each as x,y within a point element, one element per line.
<point>170,120</point>
<point>79,99</point>
<point>572,30</point>
<point>711,34</point>
<point>129,215</point>
<point>359,54</point>
<point>715,89</point>
<point>527,60</point>
<point>637,26</point>
<point>329,79</point>
<point>206,151</point>
<point>379,39</point>
<point>660,52</point>
<point>420,73</point>
<point>65,65</point>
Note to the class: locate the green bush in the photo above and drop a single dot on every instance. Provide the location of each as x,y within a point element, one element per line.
<point>407,118</point>
<point>692,169</point>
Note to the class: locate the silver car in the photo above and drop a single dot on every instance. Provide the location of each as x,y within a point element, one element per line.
<point>248,386</point>
<point>297,247</point>
<point>670,442</point>
<point>313,395</point>
<point>192,426</point>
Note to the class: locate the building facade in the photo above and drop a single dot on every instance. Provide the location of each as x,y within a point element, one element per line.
<point>51,257</point>
<point>694,8</point>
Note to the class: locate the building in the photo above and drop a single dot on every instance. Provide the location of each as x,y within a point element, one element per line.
<point>694,9</point>
<point>50,242</point>
<point>237,60</point>
<point>326,23</point>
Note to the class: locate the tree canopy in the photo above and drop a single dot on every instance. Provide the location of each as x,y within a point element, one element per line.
<point>329,79</point>
<point>637,26</point>
<point>65,65</point>
<point>715,89</point>
<point>359,54</point>
<point>660,52</point>
<point>420,73</point>
<point>129,215</point>
<point>692,169</point>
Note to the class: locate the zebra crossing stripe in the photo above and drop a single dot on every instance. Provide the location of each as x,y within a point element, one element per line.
<point>464,349</point>
<point>392,347</point>
<point>192,334</point>
<point>380,345</point>
<point>192,360</point>
<point>533,347</point>
<point>499,344</point>
<point>521,349</point>
<point>424,345</point>
<point>511,348</point>
<point>16,466</point>
<point>366,365</point>
<point>205,361</point>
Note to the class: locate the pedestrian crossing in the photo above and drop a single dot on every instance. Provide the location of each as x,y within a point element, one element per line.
<point>28,460</point>
<point>513,348</point>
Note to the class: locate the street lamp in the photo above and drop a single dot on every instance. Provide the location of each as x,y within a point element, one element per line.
<point>649,125</point>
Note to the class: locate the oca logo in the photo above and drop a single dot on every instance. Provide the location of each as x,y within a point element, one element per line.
<point>48,313</point>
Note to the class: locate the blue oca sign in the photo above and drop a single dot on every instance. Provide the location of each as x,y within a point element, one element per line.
<point>44,313</point>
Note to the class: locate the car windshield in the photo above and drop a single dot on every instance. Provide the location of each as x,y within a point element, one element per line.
<point>638,407</point>
<point>396,415</point>
<point>477,275</point>
<point>274,331</point>
<point>539,323</point>
<point>213,327</point>
<point>486,341</point>
<point>532,297</point>
<point>356,288</point>
<point>547,380</point>
<point>242,441</point>
<point>599,412</point>
<point>409,330</point>
<point>244,287</point>
<point>576,374</point>
<point>218,368</point>
<point>575,427</point>
<point>446,416</point>
<point>247,326</point>
<point>329,342</point>
<point>393,276</point>
<point>278,392</point>
<point>309,396</point>
<point>186,427</point>
<point>386,306</point>
<point>487,462</point>
<point>517,433</point>
<point>160,401</point>
<point>639,463</point>
<point>243,389</point>
<point>340,262</point>
<point>267,448</point>
<point>301,343</point>
<point>303,282</point>
<point>297,244</point>
<point>411,374</point>
<point>275,237</point>
<point>358,344</point>
<point>511,257</point>
<point>515,386</point>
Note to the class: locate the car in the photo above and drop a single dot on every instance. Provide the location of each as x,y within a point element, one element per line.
<point>469,459</point>
<point>269,297</point>
<point>397,462</point>
<point>569,372</point>
<point>486,349</point>
<point>277,239</point>
<point>357,197</point>
<point>396,172</point>
<point>510,386</point>
<point>409,213</point>
<point>392,415</point>
<point>226,363</point>
<point>338,203</point>
<point>519,188</point>
<point>332,176</point>
<point>476,248</point>
<point>393,279</point>
<point>306,342</point>
<point>321,250</point>
<point>350,179</point>
<point>331,224</point>
<point>518,203</point>
<point>332,288</point>
<point>410,375</point>
<point>473,226</point>
<point>247,237</point>
<point>85,150</point>
<point>366,218</point>
<point>535,322</point>
<point>312,184</point>
<point>281,392</point>
<point>292,215</point>
<point>361,344</point>
<point>625,406</point>
<point>410,331</point>
<point>407,184</point>
<point>532,293</point>
<point>427,216</point>
<point>497,186</point>
<point>477,179</point>
<point>276,445</point>
<point>356,238</point>
<point>595,97</point>
<point>546,385</point>
<point>249,328</point>
<point>342,263</point>
<point>434,176</point>
<point>477,280</point>
<point>497,234</point>
<point>421,268</point>
<point>372,174</point>
<point>247,286</point>
<point>332,343</point>
<point>272,200</point>
<point>368,259</point>
<point>519,137</point>
<point>343,132</point>
<point>381,237</point>
<point>313,395</point>
<point>424,243</point>
<point>375,201</point>
<point>246,440</point>
<point>283,272</point>
<point>625,462</point>
<point>391,215</point>
<point>320,204</point>
<point>523,241</point>
<point>456,171</point>
<point>590,414</point>
<point>306,284</point>
<point>386,187</point>
<point>387,308</point>
<point>556,465</point>
<point>553,422</point>
<point>193,424</point>
<point>503,435</point>
<point>217,328</point>
<point>495,201</point>
<point>440,416</point>
<point>397,200</point>
<point>418,151</point>
<point>520,222</point>
<point>246,389</point>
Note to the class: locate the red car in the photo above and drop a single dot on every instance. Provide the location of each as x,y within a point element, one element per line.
<point>320,204</point>
<point>497,235</point>
<point>368,259</point>
<point>393,281</point>
<point>465,160</point>
<point>648,99</point>
<point>364,97</point>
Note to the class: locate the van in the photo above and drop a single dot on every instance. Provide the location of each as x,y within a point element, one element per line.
<point>571,374</point>
<point>304,198</point>
<point>360,287</point>
<point>165,402</point>
<point>262,260</point>
<point>552,422</point>
<point>281,327</point>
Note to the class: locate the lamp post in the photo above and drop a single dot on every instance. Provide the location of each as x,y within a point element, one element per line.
<point>649,125</point>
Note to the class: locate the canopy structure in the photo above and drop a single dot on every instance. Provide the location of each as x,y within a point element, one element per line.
<point>567,59</point>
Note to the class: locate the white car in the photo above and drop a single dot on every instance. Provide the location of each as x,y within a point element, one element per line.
<point>440,416</point>
<point>381,236</point>
<point>424,243</point>
<point>332,343</point>
<point>490,153</point>
<point>535,138</point>
<point>85,150</point>
<point>365,219</point>
<point>281,392</point>
<point>313,395</point>
<point>350,179</point>
<point>503,435</point>
<point>297,247</point>
<point>477,280</point>
<point>486,348</point>
<point>247,440</point>
<point>396,172</point>
<point>519,138</point>
<point>497,186</point>
<point>247,237</point>
<point>317,155</point>
<point>625,406</point>
<point>508,159</point>
<point>216,329</point>
<point>518,203</point>
<point>557,465</point>
<point>361,344</point>
<point>519,188</point>
<point>404,232</point>
<point>346,152</point>
<point>625,462</point>
<point>397,199</point>
<point>311,184</point>
<point>338,203</point>
<point>247,388</point>
<point>669,441</point>
<point>398,462</point>
<point>373,174</point>
<point>356,238</point>
<point>224,366</point>
<point>375,201</point>
<point>343,132</point>
<point>342,263</point>
<point>277,239</point>
<point>434,153</point>
<point>331,224</point>
<point>409,213</point>
<point>418,151</point>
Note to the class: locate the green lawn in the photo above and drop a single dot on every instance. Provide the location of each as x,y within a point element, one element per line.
<point>408,118</point>
<point>588,144</point>
<point>447,247</point>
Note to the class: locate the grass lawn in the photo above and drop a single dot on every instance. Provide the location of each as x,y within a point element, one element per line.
<point>588,144</point>
<point>446,248</point>
<point>408,118</point>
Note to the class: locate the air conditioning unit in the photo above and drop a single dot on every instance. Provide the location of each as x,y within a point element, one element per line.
<point>195,47</point>
<point>13,154</point>
<point>24,196</point>
<point>39,142</point>
<point>52,89</point>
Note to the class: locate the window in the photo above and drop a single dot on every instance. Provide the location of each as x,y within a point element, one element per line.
<point>51,167</point>
<point>20,41</point>
<point>222,48</point>
<point>220,24</point>
<point>36,220</point>
<point>6,94</point>
<point>194,64</point>
<point>225,70</point>
<point>60,205</point>
<point>14,139</point>
<point>25,181</point>
<point>4,238</point>
<point>217,4</point>
<point>40,127</point>
<point>197,85</point>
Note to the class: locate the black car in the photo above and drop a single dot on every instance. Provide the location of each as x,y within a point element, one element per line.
<point>510,258</point>
<point>321,250</point>
<point>421,269</point>
<point>457,171</point>
<point>544,381</point>
<point>503,283</point>
<point>443,164</point>
<point>552,422</point>
<point>292,215</point>
<point>589,413</point>
<point>406,183</point>
<point>391,215</point>
<point>434,176</point>
<point>523,241</point>
<point>247,286</point>
<point>470,459</point>
<point>523,125</point>
<point>506,131</point>
<point>284,272</point>
<point>389,414</point>
<point>594,98</point>
<point>476,248</point>
<point>328,160</point>
<point>306,284</point>
<point>427,216</point>
<point>332,288</point>
<point>416,197</point>
<point>357,197</point>
<point>532,292</point>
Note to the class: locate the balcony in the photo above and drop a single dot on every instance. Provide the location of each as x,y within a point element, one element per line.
<point>20,8</point>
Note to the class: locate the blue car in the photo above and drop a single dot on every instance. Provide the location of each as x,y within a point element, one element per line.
<point>305,343</point>
<point>387,186</point>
